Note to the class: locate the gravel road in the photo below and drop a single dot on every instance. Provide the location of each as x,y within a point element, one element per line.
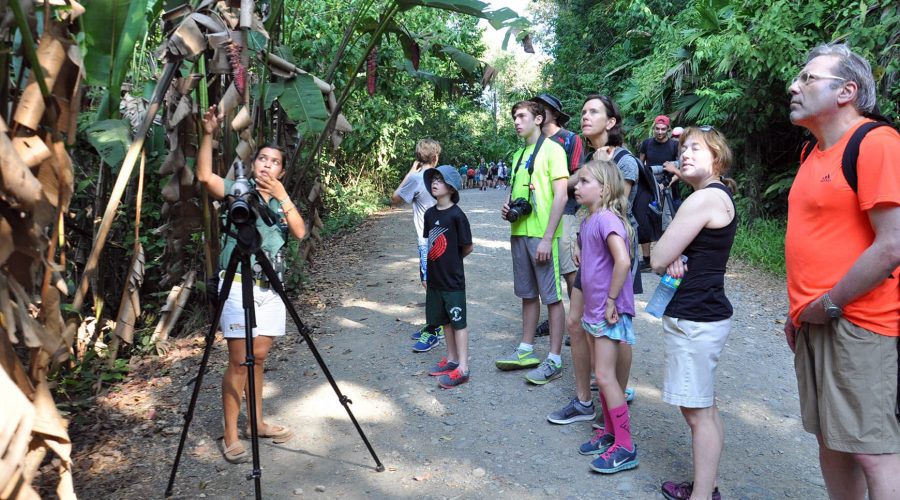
<point>488,438</point>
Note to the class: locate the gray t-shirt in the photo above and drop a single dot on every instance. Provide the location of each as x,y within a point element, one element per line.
<point>414,191</point>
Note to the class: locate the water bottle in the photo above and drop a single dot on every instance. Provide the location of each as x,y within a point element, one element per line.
<point>663,294</point>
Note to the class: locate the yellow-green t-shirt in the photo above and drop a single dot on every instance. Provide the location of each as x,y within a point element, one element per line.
<point>549,165</point>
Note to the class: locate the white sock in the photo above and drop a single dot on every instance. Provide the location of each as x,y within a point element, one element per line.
<point>586,404</point>
<point>526,347</point>
<point>556,358</point>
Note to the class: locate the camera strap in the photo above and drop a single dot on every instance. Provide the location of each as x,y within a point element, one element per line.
<point>529,165</point>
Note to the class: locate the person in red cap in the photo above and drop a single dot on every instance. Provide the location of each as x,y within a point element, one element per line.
<point>656,150</point>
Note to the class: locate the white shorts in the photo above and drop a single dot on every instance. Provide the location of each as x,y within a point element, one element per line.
<point>271,315</point>
<point>692,355</point>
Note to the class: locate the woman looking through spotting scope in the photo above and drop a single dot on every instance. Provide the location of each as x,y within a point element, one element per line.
<point>271,317</point>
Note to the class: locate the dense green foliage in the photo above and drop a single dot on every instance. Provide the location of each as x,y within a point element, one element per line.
<point>722,62</point>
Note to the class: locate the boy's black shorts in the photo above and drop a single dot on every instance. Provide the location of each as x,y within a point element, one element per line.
<point>445,307</point>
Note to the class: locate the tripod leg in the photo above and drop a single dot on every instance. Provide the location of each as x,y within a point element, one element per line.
<point>249,323</point>
<point>210,336</point>
<point>276,284</point>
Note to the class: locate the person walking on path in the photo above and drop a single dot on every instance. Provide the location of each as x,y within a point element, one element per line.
<point>842,252</point>
<point>601,124</point>
<point>412,189</point>
<point>449,241</point>
<point>697,321</point>
<point>605,238</point>
<point>271,316</point>
<point>534,208</point>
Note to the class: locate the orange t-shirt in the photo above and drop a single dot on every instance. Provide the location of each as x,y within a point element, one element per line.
<point>828,227</point>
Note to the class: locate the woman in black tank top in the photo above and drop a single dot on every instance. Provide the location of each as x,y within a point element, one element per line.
<point>698,319</point>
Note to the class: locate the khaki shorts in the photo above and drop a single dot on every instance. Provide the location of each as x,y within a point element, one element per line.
<point>567,242</point>
<point>847,379</point>
<point>532,279</point>
<point>692,355</point>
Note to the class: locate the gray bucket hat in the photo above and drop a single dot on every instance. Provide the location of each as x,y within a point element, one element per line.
<point>451,178</point>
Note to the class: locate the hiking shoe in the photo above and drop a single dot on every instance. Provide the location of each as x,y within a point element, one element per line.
<point>453,379</point>
<point>572,412</point>
<point>599,443</point>
<point>681,491</point>
<point>545,372</point>
<point>443,367</point>
<point>543,329</point>
<point>598,424</point>
<point>615,459</point>
<point>518,360</point>
<point>439,332</point>
<point>427,341</point>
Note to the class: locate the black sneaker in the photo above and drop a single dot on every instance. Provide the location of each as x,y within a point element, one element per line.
<point>645,266</point>
<point>543,329</point>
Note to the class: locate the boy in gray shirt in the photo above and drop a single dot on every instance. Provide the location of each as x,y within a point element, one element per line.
<point>413,190</point>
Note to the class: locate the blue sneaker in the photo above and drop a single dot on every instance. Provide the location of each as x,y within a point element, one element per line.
<point>439,331</point>
<point>598,444</point>
<point>615,459</point>
<point>427,341</point>
<point>629,395</point>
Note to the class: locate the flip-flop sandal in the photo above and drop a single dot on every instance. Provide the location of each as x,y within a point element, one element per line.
<point>277,433</point>
<point>236,453</point>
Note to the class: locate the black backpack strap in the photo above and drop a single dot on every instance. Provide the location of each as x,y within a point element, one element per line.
<point>537,147</point>
<point>851,152</point>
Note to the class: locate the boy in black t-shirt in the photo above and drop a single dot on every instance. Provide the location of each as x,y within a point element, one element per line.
<point>449,241</point>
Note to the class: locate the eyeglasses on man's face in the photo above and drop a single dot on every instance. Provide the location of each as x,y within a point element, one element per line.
<point>806,78</point>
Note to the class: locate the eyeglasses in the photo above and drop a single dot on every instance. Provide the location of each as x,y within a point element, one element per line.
<point>805,78</point>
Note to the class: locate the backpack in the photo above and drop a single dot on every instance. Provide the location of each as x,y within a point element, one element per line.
<point>851,152</point>
<point>645,175</point>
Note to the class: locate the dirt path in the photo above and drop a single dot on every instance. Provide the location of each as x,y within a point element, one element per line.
<point>489,437</point>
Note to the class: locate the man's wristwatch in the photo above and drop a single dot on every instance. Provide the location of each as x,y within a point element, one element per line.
<point>831,309</point>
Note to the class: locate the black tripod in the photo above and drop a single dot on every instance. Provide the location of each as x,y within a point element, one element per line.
<point>248,243</point>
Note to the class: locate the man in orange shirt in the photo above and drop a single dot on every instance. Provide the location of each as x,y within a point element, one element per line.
<point>843,251</point>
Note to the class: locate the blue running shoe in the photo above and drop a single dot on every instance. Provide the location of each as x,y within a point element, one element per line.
<point>427,341</point>
<point>615,459</point>
<point>598,444</point>
<point>439,331</point>
<point>629,395</point>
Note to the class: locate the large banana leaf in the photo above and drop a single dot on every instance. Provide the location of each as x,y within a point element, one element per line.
<point>302,102</point>
<point>111,139</point>
<point>112,29</point>
<point>499,18</point>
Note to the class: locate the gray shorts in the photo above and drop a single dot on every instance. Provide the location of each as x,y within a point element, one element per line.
<point>847,379</point>
<point>530,278</point>
<point>567,242</point>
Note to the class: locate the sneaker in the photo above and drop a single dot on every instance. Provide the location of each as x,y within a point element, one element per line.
<point>616,458</point>
<point>598,424</point>
<point>645,266</point>
<point>599,443</point>
<point>545,372</point>
<point>572,412</point>
<point>568,341</point>
<point>681,491</point>
<point>453,379</point>
<point>427,341</point>
<point>518,360</point>
<point>543,329</point>
<point>439,332</point>
<point>443,367</point>
<point>629,392</point>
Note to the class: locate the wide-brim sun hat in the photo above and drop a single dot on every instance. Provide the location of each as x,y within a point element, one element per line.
<point>554,103</point>
<point>451,178</point>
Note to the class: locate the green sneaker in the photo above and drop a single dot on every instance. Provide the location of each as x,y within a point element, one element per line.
<point>547,371</point>
<point>517,360</point>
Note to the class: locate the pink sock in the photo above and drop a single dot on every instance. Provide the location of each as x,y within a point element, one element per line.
<point>607,418</point>
<point>622,423</point>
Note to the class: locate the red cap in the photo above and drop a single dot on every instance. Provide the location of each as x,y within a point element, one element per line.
<point>661,119</point>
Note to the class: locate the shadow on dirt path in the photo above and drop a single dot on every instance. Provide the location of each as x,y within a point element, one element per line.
<point>488,438</point>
